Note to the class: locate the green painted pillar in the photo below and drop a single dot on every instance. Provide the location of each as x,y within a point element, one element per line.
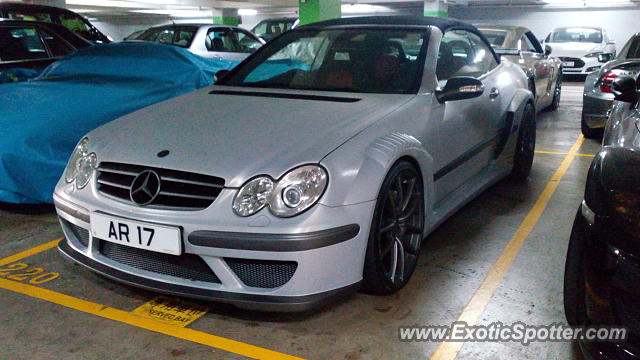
<point>226,17</point>
<point>435,8</point>
<point>311,11</point>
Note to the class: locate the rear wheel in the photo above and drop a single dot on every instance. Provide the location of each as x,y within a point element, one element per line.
<point>396,231</point>
<point>526,146</point>
<point>574,285</point>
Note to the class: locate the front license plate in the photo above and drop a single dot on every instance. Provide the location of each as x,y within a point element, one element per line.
<point>569,63</point>
<point>141,235</point>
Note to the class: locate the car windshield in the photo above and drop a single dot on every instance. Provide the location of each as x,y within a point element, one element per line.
<point>177,35</point>
<point>583,35</point>
<point>353,60</point>
<point>496,37</point>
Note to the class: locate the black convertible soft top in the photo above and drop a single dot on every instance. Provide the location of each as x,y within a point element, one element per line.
<point>442,23</point>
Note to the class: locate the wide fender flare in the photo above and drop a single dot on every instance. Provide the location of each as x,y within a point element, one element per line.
<point>518,103</point>
<point>379,156</point>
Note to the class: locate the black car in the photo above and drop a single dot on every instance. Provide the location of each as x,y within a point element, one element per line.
<point>72,21</point>
<point>35,45</point>
<point>602,271</point>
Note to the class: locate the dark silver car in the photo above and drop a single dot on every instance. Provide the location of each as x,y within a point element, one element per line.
<point>598,93</point>
<point>519,45</point>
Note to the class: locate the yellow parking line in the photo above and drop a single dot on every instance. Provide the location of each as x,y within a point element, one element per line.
<point>236,347</point>
<point>232,346</point>
<point>476,306</point>
<point>30,252</point>
<point>562,153</point>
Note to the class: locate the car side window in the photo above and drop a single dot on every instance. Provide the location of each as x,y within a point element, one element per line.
<point>246,43</point>
<point>57,46</point>
<point>525,44</point>
<point>463,53</point>
<point>220,40</point>
<point>634,49</point>
<point>21,43</point>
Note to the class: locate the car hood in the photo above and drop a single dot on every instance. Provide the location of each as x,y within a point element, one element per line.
<point>574,49</point>
<point>237,136</point>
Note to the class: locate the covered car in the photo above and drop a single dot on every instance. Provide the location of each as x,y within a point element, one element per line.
<point>43,119</point>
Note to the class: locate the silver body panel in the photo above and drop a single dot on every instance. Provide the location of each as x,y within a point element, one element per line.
<point>240,137</point>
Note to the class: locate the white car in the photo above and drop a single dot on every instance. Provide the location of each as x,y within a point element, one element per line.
<point>581,49</point>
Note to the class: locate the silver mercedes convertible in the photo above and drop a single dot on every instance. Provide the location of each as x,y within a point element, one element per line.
<point>314,168</point>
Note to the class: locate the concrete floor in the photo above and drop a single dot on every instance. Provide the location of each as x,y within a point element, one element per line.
<point>454,262</point>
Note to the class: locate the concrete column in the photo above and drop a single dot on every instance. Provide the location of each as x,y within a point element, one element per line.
<point>56,3</point>
<point>311,11</point>
<point>435,8</point>
<point>226,17</point>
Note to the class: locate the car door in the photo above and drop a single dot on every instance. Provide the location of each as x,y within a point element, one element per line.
<point>534,57</point>
<point>221,44</point>
<point>22,46</point>
<point>468,128</point>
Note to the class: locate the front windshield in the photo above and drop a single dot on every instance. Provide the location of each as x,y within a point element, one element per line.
<point>582,35</point>
<point>496,37</point>
<point>353,60</point>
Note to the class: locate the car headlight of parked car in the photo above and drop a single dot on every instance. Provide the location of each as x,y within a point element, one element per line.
<point>593,54</point>
<point>294,193</point>
<point>81,165</point>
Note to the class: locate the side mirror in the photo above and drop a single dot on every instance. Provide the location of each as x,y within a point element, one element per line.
<point>220,74</point>
<point>605,58</point>
<point>547,50</point>
<point>460,88</point>
<point>625,89</point>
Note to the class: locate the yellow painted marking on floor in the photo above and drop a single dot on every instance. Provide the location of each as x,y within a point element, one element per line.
<point>171,311</point>
<point>30,252</point>
<point>232,346</point>
<point>482,296</point>
<point>562,153</point>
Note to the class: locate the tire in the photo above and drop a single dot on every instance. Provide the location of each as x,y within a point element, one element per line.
<point>526,146</point>
<point>591,133</point>
<point>574,284</point>
<point>557,94</point>
<point>396,231</point>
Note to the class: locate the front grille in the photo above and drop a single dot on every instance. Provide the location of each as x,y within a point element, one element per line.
<point>262,273</point>
<point>578,63</point>
<point>178,189</point>
<point>81,234</point>
<point>185,266</point>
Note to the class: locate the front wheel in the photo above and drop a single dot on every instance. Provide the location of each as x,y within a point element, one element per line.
<point>526,146</point>
<point>396,231</point>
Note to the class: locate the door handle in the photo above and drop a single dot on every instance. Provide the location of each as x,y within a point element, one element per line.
<point>494,93</point>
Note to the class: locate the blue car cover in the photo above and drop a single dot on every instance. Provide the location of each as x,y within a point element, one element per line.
<point>43,119</point>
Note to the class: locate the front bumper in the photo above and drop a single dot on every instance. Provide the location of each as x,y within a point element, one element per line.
<point>611,276</point>
<point>583,66</point>
<point>259,263</point>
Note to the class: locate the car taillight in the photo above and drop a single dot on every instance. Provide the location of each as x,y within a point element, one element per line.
<point>607,81</point>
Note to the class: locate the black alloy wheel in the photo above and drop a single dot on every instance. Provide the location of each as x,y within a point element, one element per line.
<point>396,231</point>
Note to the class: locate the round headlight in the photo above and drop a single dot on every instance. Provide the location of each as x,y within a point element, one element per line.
<point>79,152</point>
<point>253,196</point>
<point>298,190</point>
<point>85,168</point>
